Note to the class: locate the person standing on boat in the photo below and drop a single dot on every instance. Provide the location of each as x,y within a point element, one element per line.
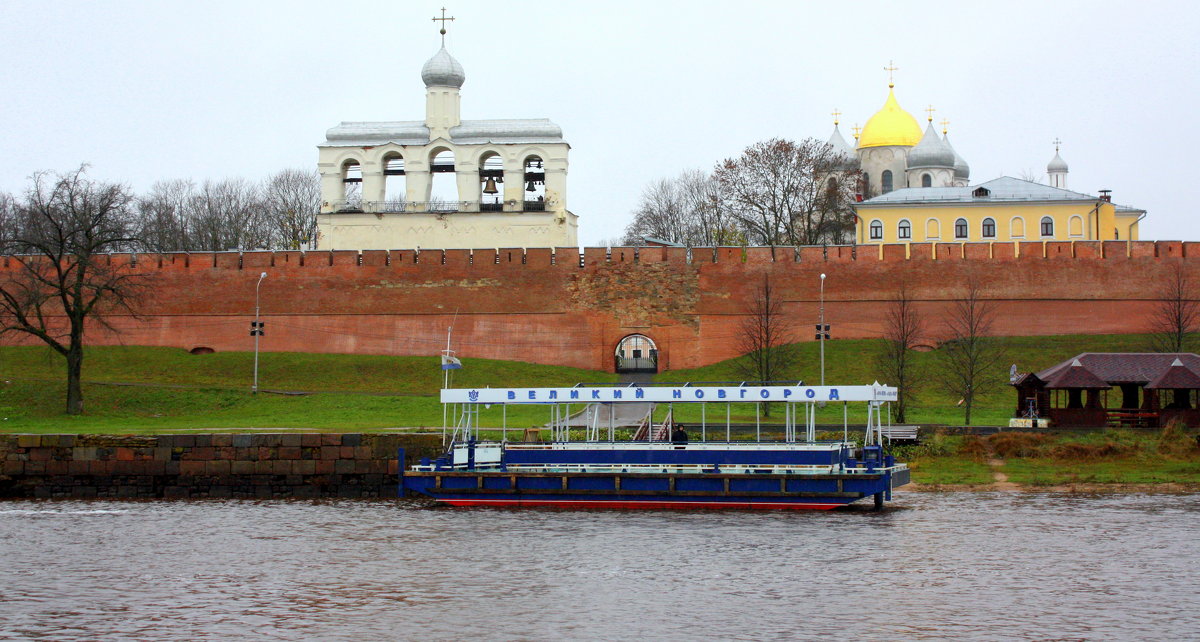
<point>679,436</point>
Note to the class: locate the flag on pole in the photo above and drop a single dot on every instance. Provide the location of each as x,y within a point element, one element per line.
<point>450,363</point>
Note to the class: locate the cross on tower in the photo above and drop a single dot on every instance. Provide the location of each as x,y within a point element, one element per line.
<point>944,124</point>
<point>1057,142</point>
<point>891,78</point>
<point>443,20</point>
<point>856,130</point>
<point>835,115</point>
<point>929,111</point>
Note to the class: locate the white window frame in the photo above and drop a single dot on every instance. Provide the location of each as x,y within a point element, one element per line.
<point>966,226</point>
<point>1010,227</point>
<point>983,228</point>
<point>1042,227</point>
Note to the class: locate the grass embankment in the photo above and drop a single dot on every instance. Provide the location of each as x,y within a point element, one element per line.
<point>181,391</point>
<point>1067,459</point>
<point>144,389</point>
<point>853,362</point>
<point>148,390</point>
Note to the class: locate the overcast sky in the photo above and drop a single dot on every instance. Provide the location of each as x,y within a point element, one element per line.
<point>158,89</point>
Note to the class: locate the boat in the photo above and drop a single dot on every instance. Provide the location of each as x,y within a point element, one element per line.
<point>656,469</point>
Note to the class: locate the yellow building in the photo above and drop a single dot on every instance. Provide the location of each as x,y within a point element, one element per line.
<point>1004,209</point>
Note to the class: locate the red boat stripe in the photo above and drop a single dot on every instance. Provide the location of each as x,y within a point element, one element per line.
<point>599,503</point>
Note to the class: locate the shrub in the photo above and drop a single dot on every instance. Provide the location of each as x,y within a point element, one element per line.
<point>1173,440</point>
<point>1090,451</point>
<point>1017,444</point>
<point>973,446</point>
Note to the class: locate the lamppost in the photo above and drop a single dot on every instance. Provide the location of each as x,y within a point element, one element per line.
<point>821,329</point>
<point>256,330</point>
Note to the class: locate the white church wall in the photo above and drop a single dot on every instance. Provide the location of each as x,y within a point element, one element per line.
<point>448,230</point>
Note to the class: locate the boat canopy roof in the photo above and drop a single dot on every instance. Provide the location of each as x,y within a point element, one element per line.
<point>671,393</point>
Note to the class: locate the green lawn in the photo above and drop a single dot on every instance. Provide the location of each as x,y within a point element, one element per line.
<point>373,392</point>
<point>950,470</point>
<point>175,390</point>
<point>852,362</point>
<point>1129,470</point>
<point>284,370</point>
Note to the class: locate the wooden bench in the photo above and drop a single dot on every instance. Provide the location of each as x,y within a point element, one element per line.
<point>900,433</point>
<point>1131,419</point>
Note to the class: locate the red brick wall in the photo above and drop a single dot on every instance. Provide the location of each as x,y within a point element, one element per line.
<point>540,305</point>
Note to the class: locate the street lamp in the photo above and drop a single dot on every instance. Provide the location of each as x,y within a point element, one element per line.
<point>256,330</point>
<point>821,330</point>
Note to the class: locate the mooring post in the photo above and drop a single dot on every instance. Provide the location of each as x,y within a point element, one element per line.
<point>400,472</point>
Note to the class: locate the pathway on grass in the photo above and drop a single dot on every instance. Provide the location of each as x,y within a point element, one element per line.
<point>1000,480</point>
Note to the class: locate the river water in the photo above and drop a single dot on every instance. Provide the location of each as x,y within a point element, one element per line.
<point>933,565</point>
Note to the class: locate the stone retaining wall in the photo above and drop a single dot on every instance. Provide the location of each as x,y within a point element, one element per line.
<point>207,465</point>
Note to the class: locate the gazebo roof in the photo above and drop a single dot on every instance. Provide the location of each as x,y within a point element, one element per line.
<point>1177,376</point>
<point>1075,376</point>
<point>1124,367</point>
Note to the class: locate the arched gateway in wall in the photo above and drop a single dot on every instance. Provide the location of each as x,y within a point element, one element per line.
<point>636,353</point>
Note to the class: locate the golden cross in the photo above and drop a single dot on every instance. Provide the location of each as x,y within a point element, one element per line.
<point>891,68</point>
<point>443,20</point>
<point>857,130</point>
<point>944,123</point>
<point>835,115</point>
<point>929,111</point>
<point>1057,142</point>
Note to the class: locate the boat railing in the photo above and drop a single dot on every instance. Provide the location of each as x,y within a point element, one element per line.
<point>851,467</point>
<point>668,445</point>
<point>800,405</point>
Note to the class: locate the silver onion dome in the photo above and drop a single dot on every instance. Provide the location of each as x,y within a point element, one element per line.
<point>931,151</point>
<point>1056,164</point>
<point>442,70</point>
<point>961,169</point>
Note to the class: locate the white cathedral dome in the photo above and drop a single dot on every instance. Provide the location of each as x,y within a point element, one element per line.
<point>442,70</point>
<point>841,149</point>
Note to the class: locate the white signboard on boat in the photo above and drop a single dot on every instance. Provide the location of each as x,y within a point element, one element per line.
<point>669,394</point>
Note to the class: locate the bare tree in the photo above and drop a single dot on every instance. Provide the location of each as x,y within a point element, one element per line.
<point>1031,175</point>
<point>969,358</point>
<point>685,209</point>
<point>766,338</point>
<point>903,327</point>
<point>292,199</point>
<point>165,216</point>
<point>57,278</point>
<point>228,215</point>
<point>662,213</point>
<point>787,193</point>
<point>1174,321</point>
<point>9,221</point>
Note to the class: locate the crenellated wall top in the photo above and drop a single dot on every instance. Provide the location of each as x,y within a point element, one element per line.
<point>578,258</point>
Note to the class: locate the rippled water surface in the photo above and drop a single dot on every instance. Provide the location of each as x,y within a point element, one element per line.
<point>970,565</point>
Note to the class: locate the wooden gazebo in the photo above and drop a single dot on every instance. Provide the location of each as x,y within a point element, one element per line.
<point>1153,389</point>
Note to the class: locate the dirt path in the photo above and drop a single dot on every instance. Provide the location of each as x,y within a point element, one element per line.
<point>1000,480</point>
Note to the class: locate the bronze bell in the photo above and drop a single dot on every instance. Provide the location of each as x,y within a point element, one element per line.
<point>529,187</point>
<point>490,186</point>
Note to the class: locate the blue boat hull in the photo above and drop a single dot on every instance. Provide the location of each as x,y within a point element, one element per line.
<point>652,490</point>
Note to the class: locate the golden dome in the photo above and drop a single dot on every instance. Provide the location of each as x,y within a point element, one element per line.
<point>890,126</point>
